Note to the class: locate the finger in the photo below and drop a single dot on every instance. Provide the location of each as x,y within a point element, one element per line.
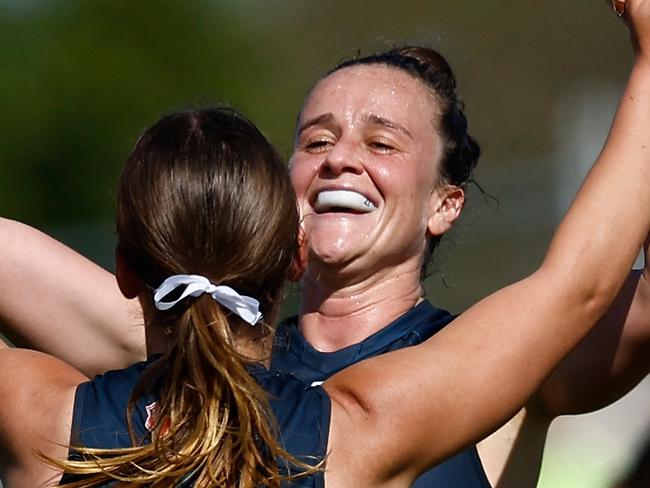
<point>619,7</point>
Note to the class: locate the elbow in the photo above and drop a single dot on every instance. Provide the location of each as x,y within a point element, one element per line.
<point>588,295</point>
<point>589,272</point>
<point>597,299</point>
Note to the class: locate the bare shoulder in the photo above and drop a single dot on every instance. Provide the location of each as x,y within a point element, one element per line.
<point>37,392</point>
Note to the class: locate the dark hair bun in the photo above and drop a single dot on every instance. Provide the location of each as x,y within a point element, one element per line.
<point>431,68</point>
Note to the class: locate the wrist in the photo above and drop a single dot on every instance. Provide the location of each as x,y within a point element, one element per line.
<point>642,57</point>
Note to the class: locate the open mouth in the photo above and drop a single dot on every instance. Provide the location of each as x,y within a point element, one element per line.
<point>343,201</point>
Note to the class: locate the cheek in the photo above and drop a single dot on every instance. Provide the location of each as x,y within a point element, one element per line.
<point>408,181</point>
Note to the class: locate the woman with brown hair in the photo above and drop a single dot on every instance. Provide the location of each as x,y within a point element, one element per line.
<point>207,231</point>
<point>368,166</point>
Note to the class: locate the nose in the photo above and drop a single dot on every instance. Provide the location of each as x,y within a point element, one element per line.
<point>343,157</point>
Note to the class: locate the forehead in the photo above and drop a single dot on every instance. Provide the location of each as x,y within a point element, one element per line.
<point>357,91</point>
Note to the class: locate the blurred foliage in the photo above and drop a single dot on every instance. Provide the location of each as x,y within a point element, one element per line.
<point>80,81</point>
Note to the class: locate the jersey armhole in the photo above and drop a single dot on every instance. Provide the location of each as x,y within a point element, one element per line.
<point>324,430</point>
<point>75,433</point>
<point>478,467</point>
<point>77,416</point>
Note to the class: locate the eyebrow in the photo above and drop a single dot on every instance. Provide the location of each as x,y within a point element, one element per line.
<point>328,118</point>
<point>376,119</point>
<point>319,119</point>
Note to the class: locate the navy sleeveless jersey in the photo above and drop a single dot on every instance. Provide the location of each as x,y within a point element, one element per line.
<point>99,417</point>
<point>293,355</point>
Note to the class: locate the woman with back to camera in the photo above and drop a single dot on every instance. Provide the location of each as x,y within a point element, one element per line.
<point>332,322</point>
<point>191,200</point>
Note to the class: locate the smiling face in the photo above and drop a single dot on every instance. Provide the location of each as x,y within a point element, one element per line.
<point>365,170</point>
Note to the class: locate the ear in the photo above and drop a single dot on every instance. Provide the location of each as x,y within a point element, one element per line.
<point>445,206</point>
<point>130,285</point>
<point>299,263</point>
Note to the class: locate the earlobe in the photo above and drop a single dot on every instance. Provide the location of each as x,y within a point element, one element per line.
<point>130,285</point>
<point>447,205</point>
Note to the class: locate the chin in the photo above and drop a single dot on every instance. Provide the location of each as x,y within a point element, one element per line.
<point>328,257</point>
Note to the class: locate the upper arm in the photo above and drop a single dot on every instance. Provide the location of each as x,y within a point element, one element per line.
<point>610,361</point>
<point>402,412</point>
<point>57,301</point>
<point>38,396</point>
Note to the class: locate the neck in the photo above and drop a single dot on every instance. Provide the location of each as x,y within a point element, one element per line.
<point>335,315</point>
<point>252,343</point>
<point>158,340</point>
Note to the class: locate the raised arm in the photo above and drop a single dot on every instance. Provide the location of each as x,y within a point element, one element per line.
<point>607,364</point>
<point>57,301</point>
<point>395,415</point>
<point>610,361</point>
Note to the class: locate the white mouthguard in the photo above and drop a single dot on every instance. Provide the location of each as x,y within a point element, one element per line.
<point>343,199</point>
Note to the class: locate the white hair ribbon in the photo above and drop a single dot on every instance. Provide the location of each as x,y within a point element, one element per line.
<point>246,307</point>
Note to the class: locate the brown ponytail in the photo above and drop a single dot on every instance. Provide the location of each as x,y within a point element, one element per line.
<point>204,193</point>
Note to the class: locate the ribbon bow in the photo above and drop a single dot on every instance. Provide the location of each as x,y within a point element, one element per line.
<point>195,285</point>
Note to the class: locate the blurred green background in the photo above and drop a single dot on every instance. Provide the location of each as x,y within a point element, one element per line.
<point>79,80</point>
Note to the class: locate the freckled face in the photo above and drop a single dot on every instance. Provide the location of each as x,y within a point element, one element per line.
<point>365,168</point>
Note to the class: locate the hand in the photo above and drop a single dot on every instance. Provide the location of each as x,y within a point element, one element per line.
<point>637,17</point>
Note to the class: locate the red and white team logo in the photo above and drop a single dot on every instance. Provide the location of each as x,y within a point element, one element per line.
<point>152,417</point>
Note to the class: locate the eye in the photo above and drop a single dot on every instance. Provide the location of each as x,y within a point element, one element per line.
<point>381,147</point>
<point>317,145</point>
